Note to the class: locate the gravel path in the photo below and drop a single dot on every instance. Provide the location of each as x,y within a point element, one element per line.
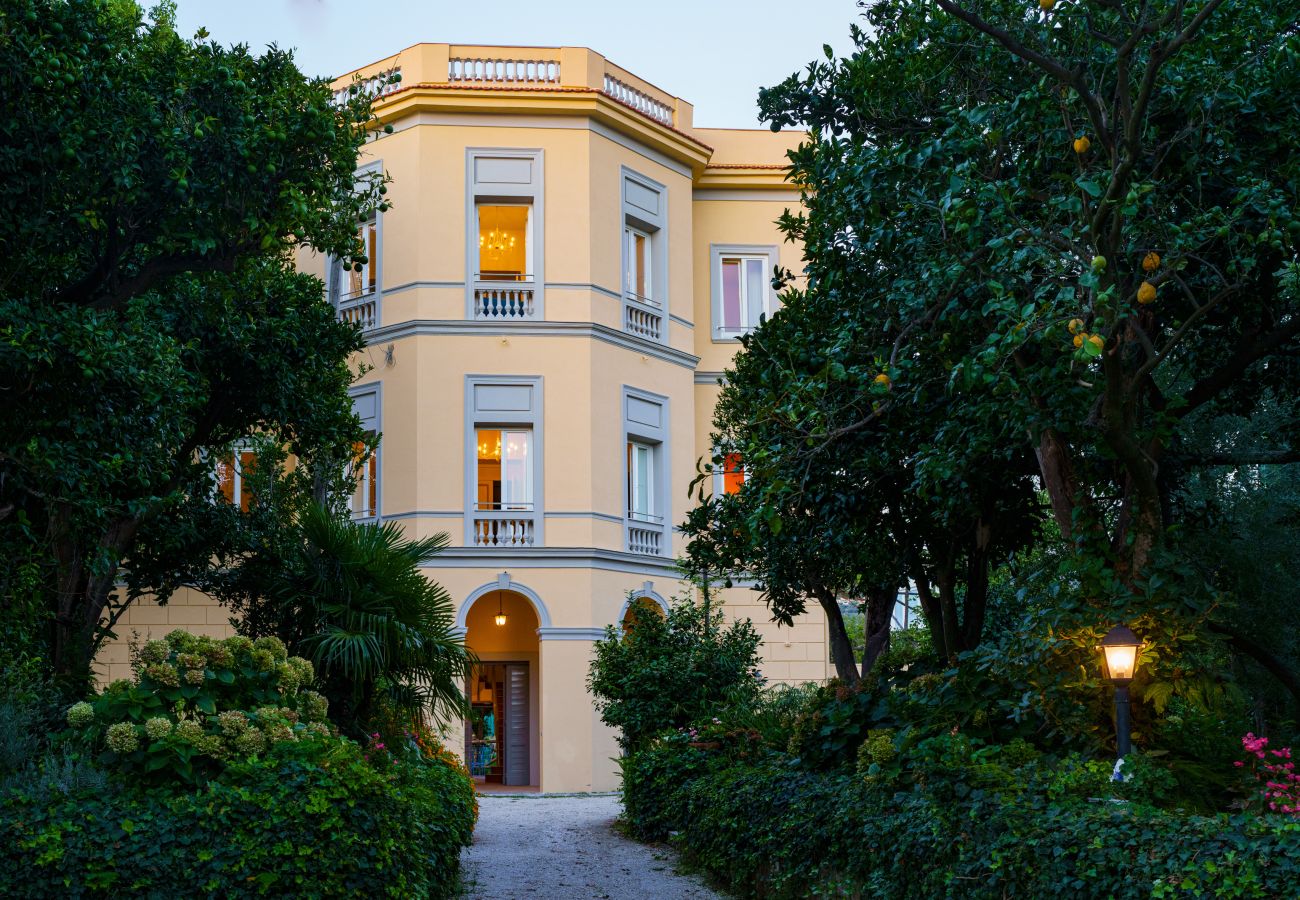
<point>561,847</point>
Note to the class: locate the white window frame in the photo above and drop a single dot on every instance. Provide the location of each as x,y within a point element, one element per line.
<point>505,403</point>
<point>367,404</point>
<point>648,516</point>
<point>768,255</point>
<point>646,423</point>
<point>507,191</point>
<point>630,234</point>
<point>530,475</point>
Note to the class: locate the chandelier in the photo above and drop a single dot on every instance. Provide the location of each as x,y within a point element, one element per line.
<point>496,241</point>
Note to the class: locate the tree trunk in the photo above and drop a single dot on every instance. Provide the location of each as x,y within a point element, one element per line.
<point>846,668</point>
<point>880,616</point>
<point>1058,478</point>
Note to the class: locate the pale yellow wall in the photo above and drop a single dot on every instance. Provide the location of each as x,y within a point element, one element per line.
<point>146,620</point>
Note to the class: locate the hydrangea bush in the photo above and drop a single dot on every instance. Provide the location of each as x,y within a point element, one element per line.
<point>196,704</point>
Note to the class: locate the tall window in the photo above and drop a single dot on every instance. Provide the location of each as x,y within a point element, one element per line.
<point>733,473</point>
<point>641,482</point>
<point>504,251</point>
<point>231,471</point>
<point>640,279</point>
<point>364,502</point>
<point>743,291</point>
<point>361,278</point>
<point>505,469</point>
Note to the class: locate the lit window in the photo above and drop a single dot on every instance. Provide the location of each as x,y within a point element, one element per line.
<point>640,482</point>
<point>362,281</point>
<point>733,473</point>
<point>639,283</point>
<point>504,250</point>
<point>505,469</point>
<point>231,470</point>
<point>365,470</point>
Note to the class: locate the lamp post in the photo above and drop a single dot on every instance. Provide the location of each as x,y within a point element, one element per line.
<point>1119,661</point>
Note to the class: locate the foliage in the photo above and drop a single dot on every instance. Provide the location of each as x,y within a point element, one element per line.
<point>279,824</point>
<point>198,705</point>
<point>665,671</point>
<point>1275,775</point>
<point>995,306</point>
<point>971,822</point>
<point>352,598</point>
<point>157,189</point>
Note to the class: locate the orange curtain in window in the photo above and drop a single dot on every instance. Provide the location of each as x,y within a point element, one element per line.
<point>247,465</point>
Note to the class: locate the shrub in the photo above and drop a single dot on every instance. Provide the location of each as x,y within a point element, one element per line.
<point>667,671</point>
<point>279,824</point>
<point>198,704</point>
<point>767,827</point>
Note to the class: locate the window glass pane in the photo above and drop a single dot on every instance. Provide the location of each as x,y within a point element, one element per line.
<point>226,478</point>
<point>640,472</point>
<point>754,289</point>
<point>372,255</point>
<point>502,242</point>
<point>247,466</point>
<point>489,468</point>
<point>733,473</point>
<point>363,502</point>
<point>516,470</point>
<point>731,320</point>
<point>642,262</point>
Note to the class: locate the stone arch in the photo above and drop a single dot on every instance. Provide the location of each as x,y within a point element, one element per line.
<point>645,592</point>
<point>504,583</point>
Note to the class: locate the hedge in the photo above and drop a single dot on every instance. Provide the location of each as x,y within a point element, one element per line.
<point>267,827</point>
<point>763,826</point>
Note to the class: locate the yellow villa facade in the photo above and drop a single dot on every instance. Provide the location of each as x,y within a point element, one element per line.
<point>549,305</point>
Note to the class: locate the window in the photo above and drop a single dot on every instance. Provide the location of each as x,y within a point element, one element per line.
<point>231,470</point>
<point>503,461</point>
<point>505,234</point>
<point>364,467</point>
<point>504,248</point>
<point>364,502</point>
<point>733,473</point>
<point>645,439</point>
<point>640,279</point>
<point>505,469</point>
<point>645,254</point>
<point>361,277</point>
<point>742,290</point>
<point>641,506</point>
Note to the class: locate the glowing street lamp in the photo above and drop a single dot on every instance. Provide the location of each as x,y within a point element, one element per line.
<point>1119,650</point>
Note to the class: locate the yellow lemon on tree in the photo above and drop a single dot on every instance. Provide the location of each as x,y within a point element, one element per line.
<point>1079,339</point>
<point>882,378</point>
<point>1151,262</point>
<point>1076,325</point>
<point>1081,145</point>
<point>1046,4</point>
<point>1146,293</point>
<point>1097,341</point>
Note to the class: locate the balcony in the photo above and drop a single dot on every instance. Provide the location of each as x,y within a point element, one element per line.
<point>643,317</point>
<point>360,309</point>
<point>641,539</point>
<point>507,298</point>
<point>503,529</point>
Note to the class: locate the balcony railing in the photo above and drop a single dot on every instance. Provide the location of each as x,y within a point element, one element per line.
<point>645,540</point>
<point>638,100</point>
<point>360,309</point>
<point>642,317</point>
<point>503,529</point>
<point>504,298</point>
<point>483,70</point>
<point>374,87</point>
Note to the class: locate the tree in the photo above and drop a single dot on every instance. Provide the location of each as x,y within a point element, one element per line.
<point>668,671</point>
<point>352,598</point>
<point>1073,229</point>
<point>156,189</point>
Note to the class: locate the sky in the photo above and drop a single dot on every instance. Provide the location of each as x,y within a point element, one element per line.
<point>711,53</point>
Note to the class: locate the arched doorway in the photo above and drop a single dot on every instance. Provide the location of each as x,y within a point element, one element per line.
<point>501,735</point>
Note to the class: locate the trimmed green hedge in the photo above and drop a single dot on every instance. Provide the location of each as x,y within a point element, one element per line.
<point>283,826</point>
<point>765,827</point>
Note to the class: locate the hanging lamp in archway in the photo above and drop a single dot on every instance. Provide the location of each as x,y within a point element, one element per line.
<point>501,613</point>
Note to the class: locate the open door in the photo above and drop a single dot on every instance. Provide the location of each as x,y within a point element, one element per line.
<point>517,725</point>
